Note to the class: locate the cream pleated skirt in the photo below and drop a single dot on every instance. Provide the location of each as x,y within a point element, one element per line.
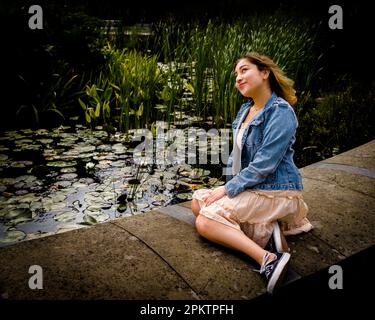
<point>253,212</point>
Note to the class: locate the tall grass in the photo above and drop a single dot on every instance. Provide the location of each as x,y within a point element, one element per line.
<point>200,58</point>
<point>211,50</point>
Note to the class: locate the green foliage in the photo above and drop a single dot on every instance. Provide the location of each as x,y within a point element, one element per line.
<point>98,103</point>
<point>52,98</point>
<point>128,85</point>
<point>333,123</point>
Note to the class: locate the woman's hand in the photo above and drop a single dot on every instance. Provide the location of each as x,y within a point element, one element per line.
<point>215,195</point>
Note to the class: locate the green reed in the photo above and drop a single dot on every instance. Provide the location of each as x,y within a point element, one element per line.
<point>135,80</point>
<point>211,50</point>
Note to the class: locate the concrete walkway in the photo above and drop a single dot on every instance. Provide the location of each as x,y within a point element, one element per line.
<point>159,255</point>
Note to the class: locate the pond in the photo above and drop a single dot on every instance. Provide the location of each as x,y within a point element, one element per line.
<point>52,181</point>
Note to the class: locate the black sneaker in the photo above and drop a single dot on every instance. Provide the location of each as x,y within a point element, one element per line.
<point>274,270</point>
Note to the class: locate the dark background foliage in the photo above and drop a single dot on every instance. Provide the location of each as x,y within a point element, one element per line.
<point>70,43</point>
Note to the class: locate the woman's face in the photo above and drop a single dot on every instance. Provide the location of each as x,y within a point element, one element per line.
<point>248,78</point>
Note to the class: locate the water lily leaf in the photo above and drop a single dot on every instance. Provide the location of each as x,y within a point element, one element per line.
<point>101,217</point>
<point>57,197</point>
<point>67,227</point>
<point>58,206</point>
<point>93,209</point>
<point>198,172</point>
<point>68,170</point>
<point>214,182</point>
<point>65,216</point>
<point>23,217</point>
<point>21,164</point>
<point>184,196</point>
<point>89,220</point>
<point>67,176</point>
<point>17,212</point>
<point>38,234</point>
<point>122,207</point>
<point>61,164</point>
<point>185,173</point>
<point>161,197</point>
<point>141,205</point>
<point>12,236</point>
<point>184,181</point>
<point>84,148</point>
<point>45,141</point>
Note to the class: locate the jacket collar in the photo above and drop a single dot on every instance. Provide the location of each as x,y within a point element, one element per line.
<point>258,118</point>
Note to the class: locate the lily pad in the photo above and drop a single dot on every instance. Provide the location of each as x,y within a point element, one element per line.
<point>23,141</point>
<point>214,182</point>
<point>63,184</point>
<point>12,214</point>
<point>141,205</point>
<point>21,164</point>
<point>68,170</point>
<point>184,196</point>
<point>61,164</point>
<point>89,220</point>
<point>58,206</point>
<point>38,234</point>
<point>45,141</point>
<point>198,172</point>
<point>24,217</point>
<point>66,216</point>
<point>12,236</point>
<point>67,176</point>
<point>67,227</point>
<point>101,217</point>
<point>122,207</point>
<point>85,149</point>
<point>161,198</point>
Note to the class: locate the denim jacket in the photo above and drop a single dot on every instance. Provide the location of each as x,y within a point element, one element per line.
<point>267,149</point>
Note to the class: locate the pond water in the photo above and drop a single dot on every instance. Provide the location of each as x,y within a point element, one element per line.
<point>53,181</point>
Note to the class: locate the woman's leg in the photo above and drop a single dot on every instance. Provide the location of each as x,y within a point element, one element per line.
<point>195,207</point>
<point>284,243</point>
<point>229,237</point>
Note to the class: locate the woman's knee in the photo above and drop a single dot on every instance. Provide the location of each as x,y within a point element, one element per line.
<point>202,224</point>
<point>195,207</point>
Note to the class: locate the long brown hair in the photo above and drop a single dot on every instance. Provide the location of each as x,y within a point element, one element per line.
<point>279,82</point>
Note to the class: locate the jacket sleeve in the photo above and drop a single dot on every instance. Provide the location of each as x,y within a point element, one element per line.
<point>277,136</point>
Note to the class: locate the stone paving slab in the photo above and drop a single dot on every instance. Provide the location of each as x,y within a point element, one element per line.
<point>104,262</point>
<point>180,212</point>
<point>311,254</point>
<point>362,156</point>
<point>342,218</point>
<point>212,271</point>
<point>354,182</point>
